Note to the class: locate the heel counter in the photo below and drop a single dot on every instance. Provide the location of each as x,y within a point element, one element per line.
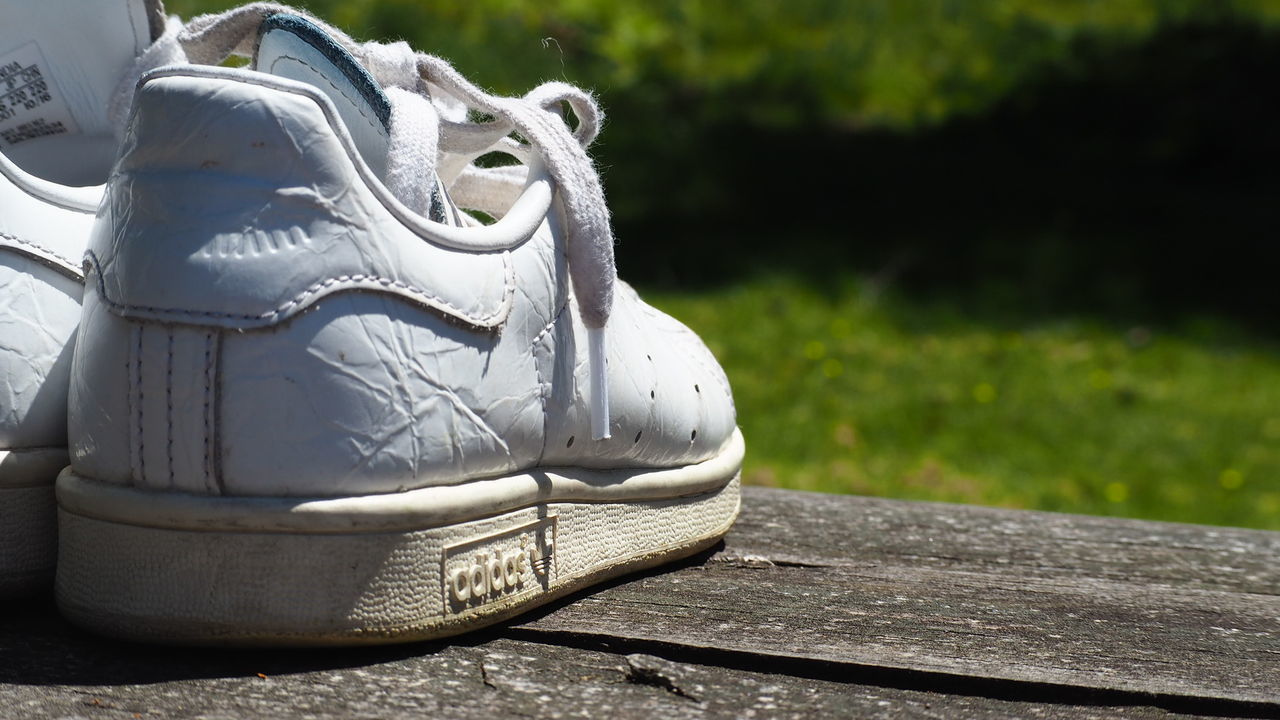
<point>234,210</point>
<point>143,402</point>
<point>257,206</point>
<point>142,387</point>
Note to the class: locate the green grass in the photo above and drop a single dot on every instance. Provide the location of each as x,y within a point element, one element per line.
<point>853,391</point>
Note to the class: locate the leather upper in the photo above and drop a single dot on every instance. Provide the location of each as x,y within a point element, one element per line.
<point>43,230</point>
<point>262,320</point>
<point>257,239</point>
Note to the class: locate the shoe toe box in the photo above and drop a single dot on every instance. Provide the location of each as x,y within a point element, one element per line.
<point>671,403</point>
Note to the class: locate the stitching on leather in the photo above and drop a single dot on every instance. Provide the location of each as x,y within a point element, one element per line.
<point>142,443</point>
<point>131,386</point>
<point>354,103</point>
<point>483,321</point>
<point>216,414</point>
<point>208,394</point>
<point>542,399</point>
<point>168,401</point>
<point>51,255</point>
<point>554,319</point>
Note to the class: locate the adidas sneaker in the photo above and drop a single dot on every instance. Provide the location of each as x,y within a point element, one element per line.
<point>314,401</point>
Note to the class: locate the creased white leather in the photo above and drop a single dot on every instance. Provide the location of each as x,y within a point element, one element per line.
<point>370,390</point>
<point>370,394</point>
<point>40,290</point>
<point>39,309</point>
<point>253,210</point>
<point>100,419</point>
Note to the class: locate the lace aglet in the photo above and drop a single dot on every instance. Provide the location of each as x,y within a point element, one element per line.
<point>597,362</point>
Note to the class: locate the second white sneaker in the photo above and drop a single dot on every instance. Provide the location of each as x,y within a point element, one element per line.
<point>63,65</point>
<point>313,401</point>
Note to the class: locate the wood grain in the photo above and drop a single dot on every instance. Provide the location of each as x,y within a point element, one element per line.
<point>1128,606</point>
<point>837,529</point>
<point>52,670</point>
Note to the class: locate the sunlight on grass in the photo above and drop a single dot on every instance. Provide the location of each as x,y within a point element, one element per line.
<point>855,392</point>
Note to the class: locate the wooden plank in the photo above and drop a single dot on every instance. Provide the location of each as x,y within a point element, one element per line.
<point>1116,605</point>
<point>815,528</point>
<point>48,669</point>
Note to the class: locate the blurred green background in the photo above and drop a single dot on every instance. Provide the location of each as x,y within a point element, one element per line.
<point>1010,252</point>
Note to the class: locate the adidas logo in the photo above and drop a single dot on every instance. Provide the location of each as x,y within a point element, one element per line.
<point>482,570</point>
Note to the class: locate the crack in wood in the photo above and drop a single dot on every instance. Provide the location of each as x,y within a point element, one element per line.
<point>656,672</point>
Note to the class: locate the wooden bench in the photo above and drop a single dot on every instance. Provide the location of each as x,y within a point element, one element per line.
<point>816,605</point>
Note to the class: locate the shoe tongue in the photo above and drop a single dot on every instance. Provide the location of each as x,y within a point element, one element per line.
<point>294,47</point>
<point>60,63</point>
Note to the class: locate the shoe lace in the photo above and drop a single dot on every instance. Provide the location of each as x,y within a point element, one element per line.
<point>447,139</point>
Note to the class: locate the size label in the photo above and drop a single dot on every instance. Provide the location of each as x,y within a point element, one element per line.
<point>30,106</point>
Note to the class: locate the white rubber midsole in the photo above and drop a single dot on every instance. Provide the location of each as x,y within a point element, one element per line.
<point>412,510</point>
<point>36,467</point>
<point>28,518</point>
<point>272,588</point>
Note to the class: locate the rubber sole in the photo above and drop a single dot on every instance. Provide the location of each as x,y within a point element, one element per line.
<point>368,585</point>
<point>28,519</point>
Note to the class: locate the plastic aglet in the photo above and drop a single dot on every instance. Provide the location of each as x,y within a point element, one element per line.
<point>599,369</point>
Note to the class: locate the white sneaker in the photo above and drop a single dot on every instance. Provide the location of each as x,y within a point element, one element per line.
<point>62,64</point>
<point>314,402</point>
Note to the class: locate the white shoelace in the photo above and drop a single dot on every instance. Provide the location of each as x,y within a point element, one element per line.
<point>430,130</point>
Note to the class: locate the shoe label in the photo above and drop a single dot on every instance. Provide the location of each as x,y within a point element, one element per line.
<point>30,105</point>
<point>516,561</point>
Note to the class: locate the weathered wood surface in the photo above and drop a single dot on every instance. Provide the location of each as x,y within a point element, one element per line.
<point>816,606</point>
<point>51,670</point>
<point>1075,601</point>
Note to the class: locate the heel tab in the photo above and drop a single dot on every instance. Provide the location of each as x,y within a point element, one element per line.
<point>224,120</point>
